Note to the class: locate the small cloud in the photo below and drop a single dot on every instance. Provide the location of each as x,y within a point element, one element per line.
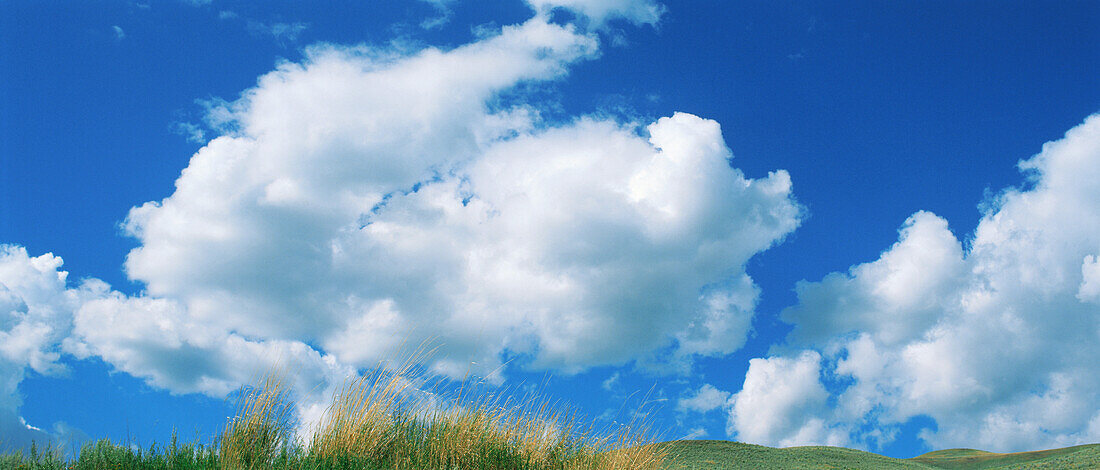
<point>192,132</point>
<point>708,398</point>
<point>597,13</point>
<point>796,56</point>
<point>197,3</point>
<point>280,31</point>
<point>445,14</point>
<point>119,33</point>
<point>227,15</point>
<point>611,381</point>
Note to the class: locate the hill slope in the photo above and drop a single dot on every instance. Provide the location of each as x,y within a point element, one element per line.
<point>1077,457</point>
<point>684,455</point>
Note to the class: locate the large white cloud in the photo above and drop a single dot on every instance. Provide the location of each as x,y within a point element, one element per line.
<point>369,199</point>
<point>997,343</point>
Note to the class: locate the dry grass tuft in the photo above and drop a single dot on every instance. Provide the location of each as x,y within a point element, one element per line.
<point>262,429</point>
<point>372,423</point>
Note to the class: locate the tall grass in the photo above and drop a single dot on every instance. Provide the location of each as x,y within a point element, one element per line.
<point>261,431</point>
<point>374,423</point>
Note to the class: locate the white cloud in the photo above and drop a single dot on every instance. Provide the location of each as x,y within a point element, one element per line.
<point>368,199</point>
<point>36,309</point>
<point>282,32</point>
<point>599,12</point>
<point>611,382</point>
<point>443,7</point>
<point>895,299</point>
<point>706,399</point>
<point>189,130</point>
<point>694,433</point>
<point>779,403</point>
<point>119,33</point>
<point>997,343</point>
<point>1090,280</point>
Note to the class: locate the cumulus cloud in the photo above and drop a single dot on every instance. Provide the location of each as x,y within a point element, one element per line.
<point>42,318</point>
<point>1090,280</point>
<point>36,308</point>
<point>707,398</point>
<point>599,12</point>
<point>779,403</point>
<point>368,199</point>
<point>997,342</point>
<point>895,298</point>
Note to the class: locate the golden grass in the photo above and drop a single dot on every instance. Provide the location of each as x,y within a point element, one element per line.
<point>373,423</point>
<point>261,429</point>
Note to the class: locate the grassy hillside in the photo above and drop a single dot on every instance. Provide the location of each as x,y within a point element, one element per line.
<point>726,454</point>
<point>1078,457</point>
<point>684,455</point>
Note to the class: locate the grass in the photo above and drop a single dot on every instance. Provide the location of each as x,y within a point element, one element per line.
<point>685,455</point>
<point>372,424</point>
<point>1077,457</point>
<point>733,455</point>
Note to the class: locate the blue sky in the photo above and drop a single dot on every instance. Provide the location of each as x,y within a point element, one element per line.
<point>893,258</point>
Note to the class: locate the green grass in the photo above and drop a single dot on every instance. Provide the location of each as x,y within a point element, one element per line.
<point>372,425</point>
<point>735,455</point>
<point>683,455</point>
<point>1077,457</point>
<point>490,454</point>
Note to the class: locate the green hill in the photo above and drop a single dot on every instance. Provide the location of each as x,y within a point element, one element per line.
<point>1077,457</point>
<point>725,454</point>
<point>684,455</point>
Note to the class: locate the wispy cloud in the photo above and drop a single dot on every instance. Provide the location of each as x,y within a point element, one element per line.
<point>695,433</point>
<point>119,33</point>
<point>282,32</point>
<point>443,8</point>
<point>191,131</point>
<point>599,12</point>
